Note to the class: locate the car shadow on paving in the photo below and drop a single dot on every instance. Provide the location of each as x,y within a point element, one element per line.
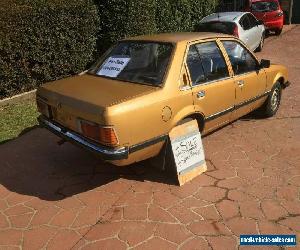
<point>23,132</point>
<point>35,165</point>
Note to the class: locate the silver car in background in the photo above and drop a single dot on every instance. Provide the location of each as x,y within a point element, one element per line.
<point>240,24</point>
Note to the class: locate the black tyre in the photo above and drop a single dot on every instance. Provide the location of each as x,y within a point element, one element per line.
<point>164,161</point>
<point>169,164</point>
<point>272,104</point>
<point>278,32</point>
<point>261,44</point>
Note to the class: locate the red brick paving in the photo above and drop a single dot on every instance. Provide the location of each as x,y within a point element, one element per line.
<point>55,197</point>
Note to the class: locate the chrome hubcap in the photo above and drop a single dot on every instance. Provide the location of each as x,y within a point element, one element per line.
<point>275,99</point>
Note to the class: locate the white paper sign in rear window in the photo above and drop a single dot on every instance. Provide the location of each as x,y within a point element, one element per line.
<point>113,66</point>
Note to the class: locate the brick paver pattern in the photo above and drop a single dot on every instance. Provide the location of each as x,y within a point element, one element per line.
<point>61,197</point>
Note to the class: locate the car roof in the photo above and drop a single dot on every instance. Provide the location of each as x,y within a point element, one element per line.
<point>178,37</point>
<point>224,16</point>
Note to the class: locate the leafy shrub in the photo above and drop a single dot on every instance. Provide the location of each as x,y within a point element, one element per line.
<point>121,19</point>
<point>173,15</point>
<point>182,15</point>
<point>200,9</point>
<point>43,40</point>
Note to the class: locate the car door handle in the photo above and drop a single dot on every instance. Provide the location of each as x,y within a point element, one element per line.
<point>240,83</point>
<point>201,94</point>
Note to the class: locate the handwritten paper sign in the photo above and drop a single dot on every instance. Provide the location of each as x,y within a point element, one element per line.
<point>188,151</point>
<point>113,66</point>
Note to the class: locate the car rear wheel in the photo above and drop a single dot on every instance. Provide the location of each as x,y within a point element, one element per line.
<point>278,32</point>
<point>169,164</point>
<point>272,104</point>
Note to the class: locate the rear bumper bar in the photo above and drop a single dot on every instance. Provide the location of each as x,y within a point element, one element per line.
<point>104,152</point>
<point>276,24</point>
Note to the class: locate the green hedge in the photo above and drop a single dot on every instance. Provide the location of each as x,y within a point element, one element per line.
<point>120,19</point>
<point>43,40</point>
<point>182,15</point>
<point>174,15</point>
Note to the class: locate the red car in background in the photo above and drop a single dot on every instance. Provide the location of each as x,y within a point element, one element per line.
<point>270,12</point>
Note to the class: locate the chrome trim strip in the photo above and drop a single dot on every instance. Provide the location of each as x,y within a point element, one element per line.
<point>213,81</point>
<point>147,143</point>
<point>204,83</point>
<point>251,100</point>
<point>185,88</point>
<point>223,112</point>
<point>216,115</point>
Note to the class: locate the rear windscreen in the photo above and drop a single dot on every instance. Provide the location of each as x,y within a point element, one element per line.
<point>135,61</point>
<point>264,6</point>
<point>217,27</point>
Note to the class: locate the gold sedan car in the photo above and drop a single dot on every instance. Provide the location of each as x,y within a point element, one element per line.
<point>124,107</point>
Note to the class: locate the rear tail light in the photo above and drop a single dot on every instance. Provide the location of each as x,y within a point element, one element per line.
<point>105,135</point>
<point>236,31</point>
<point>279,14</point>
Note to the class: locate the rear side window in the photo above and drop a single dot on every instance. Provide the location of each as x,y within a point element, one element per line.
<point>252,20</point>
<point>218,27</point>
<point>206,63</point>
<point>195,66</point>
<point>245,22</point>
<point>241,59</point>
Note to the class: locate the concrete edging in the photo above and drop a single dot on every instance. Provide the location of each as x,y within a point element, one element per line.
<point>16,98</point>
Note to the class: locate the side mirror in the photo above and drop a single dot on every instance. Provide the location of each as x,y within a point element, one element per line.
<point>265,63</point>
<point>260,22</point>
